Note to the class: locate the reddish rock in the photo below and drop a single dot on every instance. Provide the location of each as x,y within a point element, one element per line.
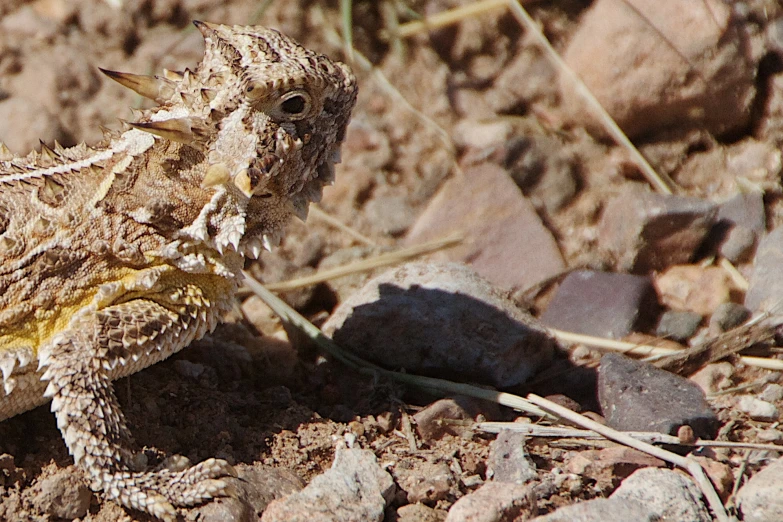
<point>656,63</point>
<point>695,288</point>
<point>505,240</point>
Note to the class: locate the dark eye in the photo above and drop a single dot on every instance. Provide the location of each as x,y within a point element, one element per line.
<point>294,105</point>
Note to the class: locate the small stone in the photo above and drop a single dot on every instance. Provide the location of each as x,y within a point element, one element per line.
<point>354,488</point>
<point>478,134</point>
<point>678,326</point>
<point>766,283</point>
<point>610,465</point>
<point>694,288</point>
<point>770,436</point>
<point>761,498</point>
<point>426,482</point>
<point>758,409</point>
<point>189,369</point>
<point>645,231</point>
<point>63,495</point>
<point>430,421</point>
<point>494,502</point>
<point>599,510</point>
<point>505,240</point>
<point>602,304</point>
<point>745,210</point>
<point>508,460</point>
<point>637,396</point>
<point>714,377</point>
<point>226,509</point>
<point>441,320</point>
<point>727,316</point>
<point>772,393</point>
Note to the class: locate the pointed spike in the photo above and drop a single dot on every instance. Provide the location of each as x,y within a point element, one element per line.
<point>46,152</point>
<point>5,152</point>
<point>174,76</point>
<point>206,28</point>
<point>153,87</point>
<point>175,129</point>
<point>58,148</point>
<point>207,95</point>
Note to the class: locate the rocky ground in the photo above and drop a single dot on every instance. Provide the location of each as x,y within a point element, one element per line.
<point>477,132</point>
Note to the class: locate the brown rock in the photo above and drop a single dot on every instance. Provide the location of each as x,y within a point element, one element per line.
<point>505,240</point>
<point>656,63</point>
<point>646,231</point>
<point>494,502</point>
<point>695,288</point>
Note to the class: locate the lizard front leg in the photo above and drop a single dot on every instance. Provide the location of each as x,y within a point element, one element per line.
<point>80,364</point>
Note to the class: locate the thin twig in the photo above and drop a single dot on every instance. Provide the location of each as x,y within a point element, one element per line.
<point>448,17</point>
<point>365,265</point>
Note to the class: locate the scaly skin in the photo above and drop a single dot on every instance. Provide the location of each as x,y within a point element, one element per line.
<point>115,257</point>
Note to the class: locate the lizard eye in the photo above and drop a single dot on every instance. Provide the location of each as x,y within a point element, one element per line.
<point>295,105</point>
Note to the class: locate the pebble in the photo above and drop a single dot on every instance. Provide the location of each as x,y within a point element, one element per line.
<point>678,326</point>
<point>694,288</point>
<point>508,459</point>
<point>645,231</point>
<point>758,409</point>
<point>602,304</point>
<point>426,482</point>
<point>441,320</point>
<point>772,393</point>
<point>738,244</point>
<point>746,210</point>
<point>647,85</point>
<point>63,495</point>
<point>355,488</point>
<point>761,498</point>
<point>766,283</point>
<point>430,423</point>
<point>611,464</point>
<point>727,316</point>
<point>504,238</point>
<point>494,502</point>
<point>392,214</point>
<point>714,377</point>
<point>637,396</point>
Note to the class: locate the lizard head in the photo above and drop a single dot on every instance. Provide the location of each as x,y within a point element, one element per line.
<point>269,117</point>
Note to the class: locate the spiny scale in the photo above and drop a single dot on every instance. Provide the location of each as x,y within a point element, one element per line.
<point>115,257</point>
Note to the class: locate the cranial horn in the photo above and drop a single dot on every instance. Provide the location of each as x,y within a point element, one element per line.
<point>153,87</point>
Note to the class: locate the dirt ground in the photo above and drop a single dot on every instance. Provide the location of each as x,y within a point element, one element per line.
<point>245,394</point>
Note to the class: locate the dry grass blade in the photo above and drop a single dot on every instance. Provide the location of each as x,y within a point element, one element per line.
<point>660,182</point>
<point>365,265</point>
<point>448,17</point>
<point>612,345</point>
<point>292,318</point>
<point>650,437</point>
<point>693,467</point>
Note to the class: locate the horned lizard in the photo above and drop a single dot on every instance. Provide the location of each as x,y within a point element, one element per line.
<point>117,256</point>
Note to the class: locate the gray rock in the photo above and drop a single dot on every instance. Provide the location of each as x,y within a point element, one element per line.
<point>508,460</point>
<point>645,231</point>
<point>441,320</point>
<point>758,409</point>
<point>226,509</point>
<point>637,396</point>
<point>772,393</point>
<point>667,494</point>
<point>648,495</point>
<point>761,498</point>
<point>727,316</point>
<point>505,240</point>
<point>426,482</point>
<point>602,304</point>
<point>63,495</point>
<point>746,210</point>
<point>737,246</point>
<point>354,489</point>
<point>391,214</point>
<point>259,485</point>
<point>494,502</point>
<point>766,283</point>
<point>677,325</point>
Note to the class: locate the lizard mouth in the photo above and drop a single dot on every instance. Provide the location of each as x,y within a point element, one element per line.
<point>311,192</point>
